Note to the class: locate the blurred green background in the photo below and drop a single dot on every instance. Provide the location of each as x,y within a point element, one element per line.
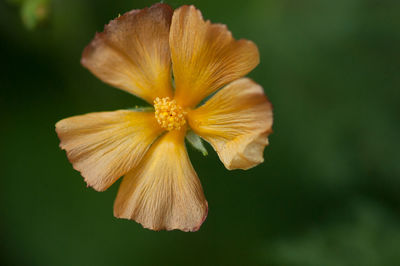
<point>327,194</point>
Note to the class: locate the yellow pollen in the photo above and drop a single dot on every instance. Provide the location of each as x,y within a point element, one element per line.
<point>168,114</point>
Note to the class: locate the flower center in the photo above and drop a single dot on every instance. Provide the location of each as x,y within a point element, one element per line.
<point>168,114</point>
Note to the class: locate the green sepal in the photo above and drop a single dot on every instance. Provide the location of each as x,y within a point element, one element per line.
<point>196,142</point>
<point>142,109</point>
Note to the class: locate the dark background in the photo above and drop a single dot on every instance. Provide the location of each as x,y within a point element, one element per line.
<point>327,194</point>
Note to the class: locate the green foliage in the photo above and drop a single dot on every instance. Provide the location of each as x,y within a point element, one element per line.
<point>327,193</point>
<point>363,233</point>
<point>33,12</point>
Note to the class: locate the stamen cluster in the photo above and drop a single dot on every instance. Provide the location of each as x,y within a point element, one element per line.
<point>168,114</point>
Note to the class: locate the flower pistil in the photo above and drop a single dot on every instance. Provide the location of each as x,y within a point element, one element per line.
<point>168,114</point>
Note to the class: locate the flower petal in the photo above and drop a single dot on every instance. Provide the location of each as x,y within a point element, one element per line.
<point>133,53</point>
<point>104,146</point>
<point>236,121</point>
<point>205,57</point>
<point>163,192</point>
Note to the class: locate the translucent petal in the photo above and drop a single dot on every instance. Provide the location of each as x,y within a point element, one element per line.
<point>104,146</point>
<point>163,192</point>
<point>236,121</point>
<point>133,53</point>
<point>205,56</point>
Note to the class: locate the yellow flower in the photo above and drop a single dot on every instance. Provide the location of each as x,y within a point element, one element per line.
<point>137,53</point>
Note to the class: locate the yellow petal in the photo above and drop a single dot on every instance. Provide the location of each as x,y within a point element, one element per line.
<point>205,57</point>
<point>133,53</point>
<point>104,146</point>
<point>236,121</point>
<point>163,192</point>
